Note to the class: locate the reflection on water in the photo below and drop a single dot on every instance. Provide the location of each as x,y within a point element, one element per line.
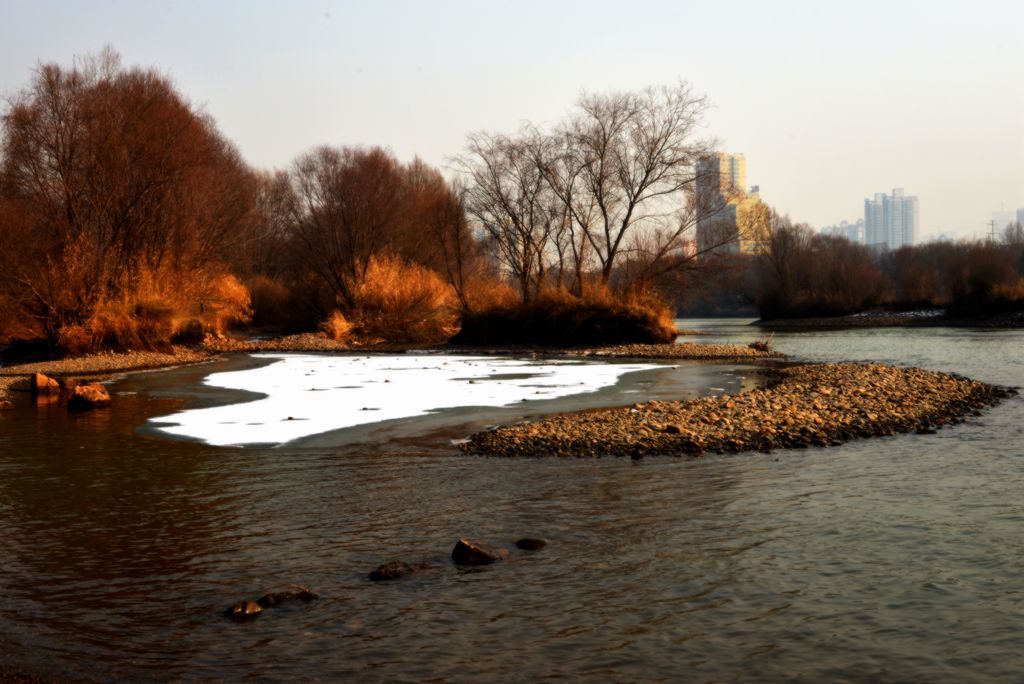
<point>896,559</point>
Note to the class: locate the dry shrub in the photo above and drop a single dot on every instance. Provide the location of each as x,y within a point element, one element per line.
<point>337,327</point>
<point>271,301</point>
<point>191,331</point>
<point>122,325</point>
<point>559,318</point>
<point>482,293</point>
<point>16,324</point>
<point>74,339</point>
<point>402,302</point>
<point>1010,292</point>
<point>226,302</point>
<point>159,309</point>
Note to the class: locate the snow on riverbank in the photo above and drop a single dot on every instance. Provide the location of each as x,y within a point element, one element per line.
<point>310,394</point>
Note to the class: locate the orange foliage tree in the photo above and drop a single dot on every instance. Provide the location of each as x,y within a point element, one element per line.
<point>124,194</point>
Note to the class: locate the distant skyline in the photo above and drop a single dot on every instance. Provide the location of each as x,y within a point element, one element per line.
<point>829,102</point>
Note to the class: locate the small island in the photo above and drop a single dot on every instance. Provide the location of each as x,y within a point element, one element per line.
<point>813,405</point>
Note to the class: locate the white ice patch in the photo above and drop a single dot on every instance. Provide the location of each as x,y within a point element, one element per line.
<point>310,394</point>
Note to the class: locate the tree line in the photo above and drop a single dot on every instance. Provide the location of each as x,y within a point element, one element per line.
<point>806,274</point>
<point>128,219</point>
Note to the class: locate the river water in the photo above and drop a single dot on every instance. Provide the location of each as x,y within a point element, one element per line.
<point>885,560</point>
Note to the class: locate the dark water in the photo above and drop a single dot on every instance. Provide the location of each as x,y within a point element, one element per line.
<point>896,559</point>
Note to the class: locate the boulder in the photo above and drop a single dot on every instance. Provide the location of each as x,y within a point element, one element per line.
<point>44,385</point>
<point>5,405</point>
<point>391,570</point>
<point>244,610</point>
<point>531,544</point>
<point>467,552</point>
<point>85,397</point>
<point>276,598</point>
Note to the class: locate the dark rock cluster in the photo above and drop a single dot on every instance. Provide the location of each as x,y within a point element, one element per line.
<point>249,609</point>
<point>466,552</point>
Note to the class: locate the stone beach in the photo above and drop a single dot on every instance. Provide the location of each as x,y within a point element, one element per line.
<point>97,366</point>
<point>812,405</point>
<point>683,351</point>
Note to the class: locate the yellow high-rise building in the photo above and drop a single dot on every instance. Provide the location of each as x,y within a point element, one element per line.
<point>731,219</point>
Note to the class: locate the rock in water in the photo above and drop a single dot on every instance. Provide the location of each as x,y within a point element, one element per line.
<point>85,397</point>
<point>467,552</point>
<point>391,570</point>
<point>42,384</point>
<point>244,610</point>
<point>531,544</point>
<point>278,597</point>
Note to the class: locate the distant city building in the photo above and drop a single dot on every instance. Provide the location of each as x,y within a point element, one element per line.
<point>731,220</point>
<point>890,221</point>
<point>1002,218</point>
<point>854,232</point>
<point>1020,217</point>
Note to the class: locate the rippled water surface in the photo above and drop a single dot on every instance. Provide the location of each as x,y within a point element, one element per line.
<point>894,559</point>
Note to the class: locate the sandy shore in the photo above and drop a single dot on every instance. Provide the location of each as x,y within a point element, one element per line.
<point>814,405</point>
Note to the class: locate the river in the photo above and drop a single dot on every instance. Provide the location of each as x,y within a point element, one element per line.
<point>885,560</point>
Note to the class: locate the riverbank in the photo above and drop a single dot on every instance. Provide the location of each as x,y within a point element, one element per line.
<point>99,366</point>
<point>103,365</point>
<point>890,319</point>
<point>813,405</point>
<point>684,351</point>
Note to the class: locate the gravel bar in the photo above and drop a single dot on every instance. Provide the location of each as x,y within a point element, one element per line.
<point>685,350</point>
<point>812,405</point>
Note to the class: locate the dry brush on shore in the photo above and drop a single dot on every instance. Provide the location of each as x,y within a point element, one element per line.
<point>813,405</point>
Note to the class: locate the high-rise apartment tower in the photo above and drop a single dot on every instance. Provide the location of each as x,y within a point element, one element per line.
<point>890,221</point>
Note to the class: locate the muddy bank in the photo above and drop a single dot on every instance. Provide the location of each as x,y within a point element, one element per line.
<point>814,405</point>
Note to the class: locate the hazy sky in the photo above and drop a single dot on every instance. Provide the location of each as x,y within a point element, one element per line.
<point>830,101</point>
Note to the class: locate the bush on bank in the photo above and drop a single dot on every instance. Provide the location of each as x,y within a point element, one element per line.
<point>559,319</point>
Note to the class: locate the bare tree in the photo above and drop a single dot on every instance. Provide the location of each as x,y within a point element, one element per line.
<point>634,157</point>
<point>507,195</point>
<point>347,202</point>
<point>461,261</point>
<point>575,210</point>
